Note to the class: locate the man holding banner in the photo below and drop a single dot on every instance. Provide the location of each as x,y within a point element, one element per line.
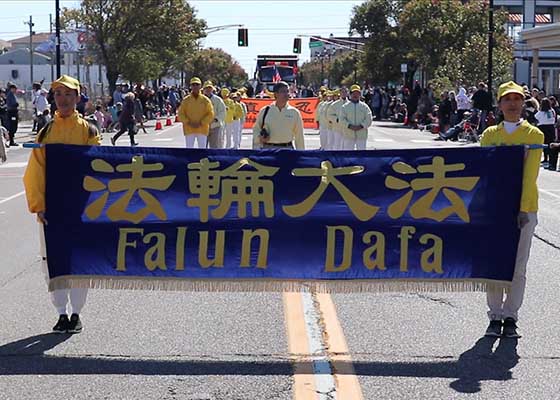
<point>503,310</point>
<point>67,127</point>
<point>279,125</point>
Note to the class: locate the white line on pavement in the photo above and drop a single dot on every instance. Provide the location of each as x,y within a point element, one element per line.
<point>549,193</point>
<point>163,139</point>
<point>324,381</point>
<point>165,130</point>
<point>14,164</point>
<point>383,140</point>
<point>422,140</point>
<point>12,197</point>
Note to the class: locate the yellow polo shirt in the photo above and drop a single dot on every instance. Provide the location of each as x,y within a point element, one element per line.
<point>524,134</point>
<point>284,126</point>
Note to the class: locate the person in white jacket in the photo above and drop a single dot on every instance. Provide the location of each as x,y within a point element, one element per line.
<point>355,118</point>
<point>463,103</point>
<point>336,136</point>
<point>215,134</point>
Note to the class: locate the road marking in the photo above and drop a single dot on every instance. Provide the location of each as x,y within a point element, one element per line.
<point>163,140</point>
<point>347,384</point>
<point>324,380</point>
<point>304,384</point>
<point>422,140</point>
<point>383,140</point>
<point>12,197</point>
<point>549,193</point>
<point>14,165</point>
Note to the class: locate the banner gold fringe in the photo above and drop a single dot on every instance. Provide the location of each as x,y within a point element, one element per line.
<point>272,285</point>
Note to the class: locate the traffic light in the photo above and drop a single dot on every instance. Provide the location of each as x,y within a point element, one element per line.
<point>297,45</point>
<point>242,37</point>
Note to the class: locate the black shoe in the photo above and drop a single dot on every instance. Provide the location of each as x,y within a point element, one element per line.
<point>75,325</point>
<point>13,144</point>
<point>494,328</point>
<point>113,141</point>
<point>62,324</point>
<point>510,329</point>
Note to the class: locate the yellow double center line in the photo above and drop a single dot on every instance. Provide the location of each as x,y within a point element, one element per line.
<point>336,349</point>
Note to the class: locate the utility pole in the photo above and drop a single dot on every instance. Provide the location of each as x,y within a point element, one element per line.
<point>490,42</point>
<point>31,33</point>
<point>50,36</point>
<point>57,30</point>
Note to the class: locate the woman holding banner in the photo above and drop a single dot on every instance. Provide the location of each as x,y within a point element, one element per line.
<point>67,127</point>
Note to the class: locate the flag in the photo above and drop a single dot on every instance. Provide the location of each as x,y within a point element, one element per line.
<point>276,75</point>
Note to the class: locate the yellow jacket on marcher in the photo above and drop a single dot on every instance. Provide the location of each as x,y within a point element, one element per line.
<point>196,109</point>
<point>230,110</point>
<point>71,130</point>
<point>525,134</point>
<point>237,111</point>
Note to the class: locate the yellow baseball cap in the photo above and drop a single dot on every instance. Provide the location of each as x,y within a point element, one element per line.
<point>195,80</point>
<point>208,84</point>
<point>67,81</point>
<point>354,88</point>
<point>225,92</point>
<point>510,87</point>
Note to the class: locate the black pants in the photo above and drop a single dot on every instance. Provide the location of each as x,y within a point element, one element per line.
<point>130,127</point>
<point>13,119</point>
<point>549,136</point>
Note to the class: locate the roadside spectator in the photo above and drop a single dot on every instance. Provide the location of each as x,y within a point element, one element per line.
<point>13,113</point>
<point>546,122</point>
<point>463,103</point>
<point>482,100</point>
<point>126,120</point>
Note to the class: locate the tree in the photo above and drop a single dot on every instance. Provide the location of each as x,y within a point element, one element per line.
<point>452,45</point>
<point>139,39</point>
<point>216,65</point>
<point>377,20</point>
<point>469,65</point>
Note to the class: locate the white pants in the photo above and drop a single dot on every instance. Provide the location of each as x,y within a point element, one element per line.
<point>232,134</point>
<point>324,137</point>
<point>59,297</point>
<point>336,140</point>
<point>352,142</point>
<point>500,308</point>
<point>200,139</point>
<point>237,130</point>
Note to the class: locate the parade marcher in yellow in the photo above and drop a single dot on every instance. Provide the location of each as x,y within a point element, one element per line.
<point>324,132</point>
<point>279,125</point>
<point>336,136</point>
<point>504,307</point>
<point>237,117</point>
<point>196,113</point>
<point>229,121</point>
<point>355,119</point>
<point>67,127</point>
<point>216,134</point>
<point>244,112</point>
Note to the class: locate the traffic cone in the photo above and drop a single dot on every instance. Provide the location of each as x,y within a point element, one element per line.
<point>158,125</point>
<point>168,121</point>
<point>177,118</point>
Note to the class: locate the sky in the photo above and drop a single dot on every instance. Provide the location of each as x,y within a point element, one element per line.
<point>272,24</point>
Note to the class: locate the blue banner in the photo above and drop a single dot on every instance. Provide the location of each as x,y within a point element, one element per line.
<point>188,219</point>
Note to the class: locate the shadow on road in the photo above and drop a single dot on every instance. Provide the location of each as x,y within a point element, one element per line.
<point>479,363</point>
<point>34,345</point>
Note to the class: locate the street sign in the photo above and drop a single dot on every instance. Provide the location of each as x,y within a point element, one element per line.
<point>315,44</point>
<point>404,68</point>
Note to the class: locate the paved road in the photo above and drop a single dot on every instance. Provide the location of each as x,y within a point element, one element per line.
<point>160,345</point>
